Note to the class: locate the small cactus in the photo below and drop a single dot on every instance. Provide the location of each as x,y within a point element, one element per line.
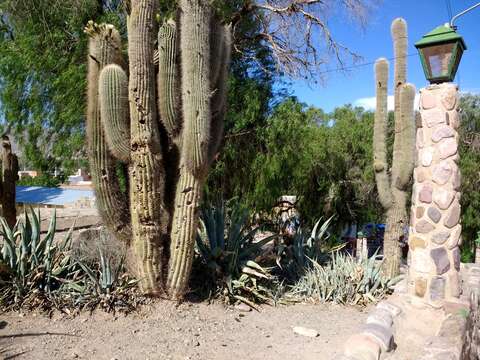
<point>392,183</point>
<point>165,121</point>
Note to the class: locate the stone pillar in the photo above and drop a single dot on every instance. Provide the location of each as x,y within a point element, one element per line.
<point>434,257</point>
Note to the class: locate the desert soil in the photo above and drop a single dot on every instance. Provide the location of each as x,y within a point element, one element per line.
<point>189,331</point>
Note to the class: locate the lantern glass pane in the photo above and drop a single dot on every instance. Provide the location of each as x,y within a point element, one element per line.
<point>438,58</point>
<point>458,51</point>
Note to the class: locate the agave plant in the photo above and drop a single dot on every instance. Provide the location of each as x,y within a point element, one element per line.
<point>106,274</point>
<point>313,246</point>
<point>227,246</point>
<point>32,264</point>
<point>294,259</point>
<point>43,272</point>
<point>344,280</point>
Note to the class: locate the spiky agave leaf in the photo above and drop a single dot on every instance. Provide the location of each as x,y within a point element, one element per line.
<point>343,280</point>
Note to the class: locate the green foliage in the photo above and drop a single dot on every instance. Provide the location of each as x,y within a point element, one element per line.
<point>322,159</point>
<point>251,94</point>
<point>41,180</point>
<point>228,248</point>
<point>42,76</point>
<point>343,280</point>
<point>477,239</point>
<point>469,159</point>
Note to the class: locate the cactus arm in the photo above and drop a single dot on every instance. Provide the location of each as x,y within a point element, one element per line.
<point>196,89</point>
<point>112,204</point>
<point>195,48</point>
<point>113,95</point>
<point>168,77</point>
<point>401,174</point>
<point>399,37</point>
<point>379,134</point>
<point>219,100</point>
<point>146,165</point>
<point>217,39</point>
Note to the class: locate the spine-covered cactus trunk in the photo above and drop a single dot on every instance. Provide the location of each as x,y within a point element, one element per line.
<point>392,184</point>
<point>164,121</point>
<point>7,183</point>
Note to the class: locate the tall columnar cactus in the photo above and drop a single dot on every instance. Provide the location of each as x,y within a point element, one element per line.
<point>392,184</point>
<point>165,121</point>
<point>7,183</point>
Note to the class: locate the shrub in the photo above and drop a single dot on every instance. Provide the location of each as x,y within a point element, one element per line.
<point>343,280</point>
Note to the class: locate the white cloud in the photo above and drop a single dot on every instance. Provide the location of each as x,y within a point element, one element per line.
<point>369,103</point>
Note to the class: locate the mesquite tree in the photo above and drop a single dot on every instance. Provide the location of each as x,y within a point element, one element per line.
<point>392,185</point>
<point>164,119</point>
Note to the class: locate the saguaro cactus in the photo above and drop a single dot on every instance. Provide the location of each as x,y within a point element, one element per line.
<point>7,184</point>
<point>392,183</point>
<point>164,120</point>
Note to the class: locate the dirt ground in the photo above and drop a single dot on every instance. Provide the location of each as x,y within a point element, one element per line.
<point>189,331</point>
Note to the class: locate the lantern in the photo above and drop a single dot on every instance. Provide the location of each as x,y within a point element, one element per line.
<point>440,51</point>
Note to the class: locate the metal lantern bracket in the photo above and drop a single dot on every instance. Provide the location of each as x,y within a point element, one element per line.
<point>452,22</point>
<point>441,50</point>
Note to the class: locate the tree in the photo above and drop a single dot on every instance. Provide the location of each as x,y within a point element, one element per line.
<point>469,151</point>
<point>255,81</point>
<point>250,100</point>
<point>290,29</point>
<point>42,76</point>
<point>42,92</point>
<point>323,159</point>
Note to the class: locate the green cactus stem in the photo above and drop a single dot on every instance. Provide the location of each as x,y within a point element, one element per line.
<point>113,95</point>
<point>195,48</point>
<point>380,134</point>
<point>219,100</point>
<point>104,49</point>
<point>175,126</point>
<point>149,220</point>
<point>168,75</point>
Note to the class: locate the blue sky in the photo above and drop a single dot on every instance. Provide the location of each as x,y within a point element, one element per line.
<point>422,16</point>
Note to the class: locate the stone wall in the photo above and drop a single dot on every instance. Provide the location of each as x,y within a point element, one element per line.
<point>435,231</point>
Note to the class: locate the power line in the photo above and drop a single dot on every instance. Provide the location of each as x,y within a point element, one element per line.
<point>449,9</point>
<point>344,68</point>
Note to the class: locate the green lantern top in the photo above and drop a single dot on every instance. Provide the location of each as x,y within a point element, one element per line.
<point>439,35</point>
<point>440,52</point>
